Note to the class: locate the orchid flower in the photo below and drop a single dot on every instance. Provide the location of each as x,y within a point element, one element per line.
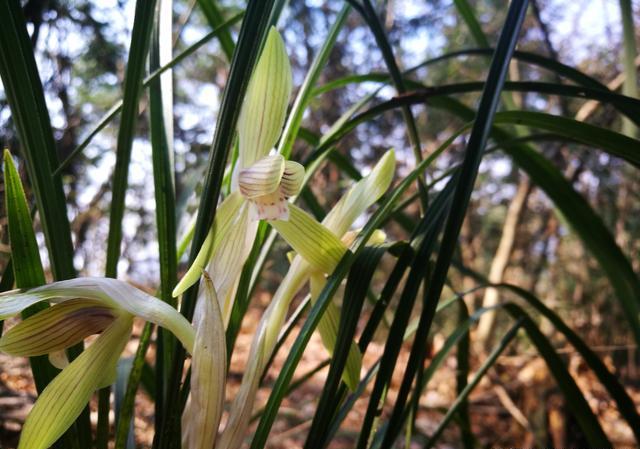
<point>80,308</point>
<point>319,249</point>
<point>261,183</point>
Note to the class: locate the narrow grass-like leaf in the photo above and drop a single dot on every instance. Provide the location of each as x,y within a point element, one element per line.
<point>124,413</point>
<point>465,10</point>
<point>576,401</point>
<point>25,257</point>
<point>161,128</point>
<point>468,172</point>
<point>214,16</point>
<point>462,372</point>
<point>140,39</point>
<point>25,95</point>
<point>453,408</point>
<point>630,86</point>
<point>294,120</point>
<point>359,278</point>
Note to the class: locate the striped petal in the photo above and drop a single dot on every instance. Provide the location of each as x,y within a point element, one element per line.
<point>265,103</point>
<point>292,179</point>
<point>229,258</point>
<point>203,411</point>
<point>313,241</point>
<point>361,195</point>
<point>226,218</point>
<point>262,177</point>
<point>111,293</point>
<point>66,396</point>
<point>57,328</point>
<point>328,329</point>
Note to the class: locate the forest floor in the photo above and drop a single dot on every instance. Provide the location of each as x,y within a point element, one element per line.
<point>516,405</point>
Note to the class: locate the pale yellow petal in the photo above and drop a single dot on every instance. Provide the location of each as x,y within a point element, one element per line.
<point>265,104</point>
<point>262,177</point>
<point>66,396</point>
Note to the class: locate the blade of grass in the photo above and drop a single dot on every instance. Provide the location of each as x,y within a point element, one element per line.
<point>370,16</point>
<point>462,373</point>
<point>161,127</point>
<point>25,258</point>
<point>140,38</point>
<point>460,400</point>
<point>25,95</point>
<point>214,16</point>
<point>630,86</point>
<point>358,281</point>
<point>465,10</point>
<point>575,400</point>
<point>468,172</point>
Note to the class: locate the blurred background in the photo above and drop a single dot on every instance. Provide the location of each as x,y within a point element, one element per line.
<point>511,232</point>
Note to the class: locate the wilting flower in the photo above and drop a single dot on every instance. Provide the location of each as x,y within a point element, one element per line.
<point>261,183</point>
<point>319,248</point>
<point>81,307</point>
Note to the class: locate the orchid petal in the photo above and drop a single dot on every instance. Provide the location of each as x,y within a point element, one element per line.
<point>226,218</point>
<point>226,267</point>
<point>262,177</point>
<point>66,396</point>
<point>57,328</point>
<point>265,104</point>
<point>361,195</point>
<point>313,241</point>
<point>261,350</point>
<point>292,178</point>
<point>110,292</point>
<point>328,329</point>
<point>203,411</point>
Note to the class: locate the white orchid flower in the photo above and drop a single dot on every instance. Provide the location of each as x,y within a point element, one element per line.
<point>80,308</point>
<point>319,249</point>
<point>262,183</point>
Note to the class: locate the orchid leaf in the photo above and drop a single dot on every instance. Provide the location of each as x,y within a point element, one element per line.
<point>203,411</point>
<point>57,328</point>
<point>328,328</point>
<point>313,241</point>
<point>265,104</point>
<point>223,222</point>
<point>361,195</point>
<point>65,397</point>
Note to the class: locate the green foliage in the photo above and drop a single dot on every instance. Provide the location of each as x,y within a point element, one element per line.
<point>424,215</point>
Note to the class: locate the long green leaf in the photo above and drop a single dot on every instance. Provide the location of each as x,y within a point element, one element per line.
<point>576,402</point>
<point>24,92</point>
<point>214,16</point>
<point>465,10</point>
<point>460,400</point>
<point>630,86</point>
<point>140,38</point>
<point>359,279</point>
<point>468,172</point>
<point>25,257</point>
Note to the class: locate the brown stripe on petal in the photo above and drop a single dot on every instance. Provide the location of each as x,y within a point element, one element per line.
<point>57,328</point>
<point>292,178</point>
